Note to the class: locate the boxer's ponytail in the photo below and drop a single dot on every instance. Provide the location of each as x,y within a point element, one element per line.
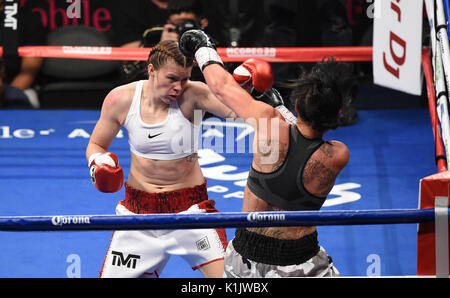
<point>319,94</point>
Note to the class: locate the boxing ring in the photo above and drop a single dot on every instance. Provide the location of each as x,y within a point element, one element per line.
<point>369,223</point>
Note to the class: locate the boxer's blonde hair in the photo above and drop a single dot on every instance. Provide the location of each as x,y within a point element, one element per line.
<point>165,51</point>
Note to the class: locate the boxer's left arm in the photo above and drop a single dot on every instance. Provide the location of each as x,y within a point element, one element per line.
<point>205,100</point>
<point>195,43</point>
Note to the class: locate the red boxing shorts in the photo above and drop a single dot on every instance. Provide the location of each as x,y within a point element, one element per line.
<point>145,253</point>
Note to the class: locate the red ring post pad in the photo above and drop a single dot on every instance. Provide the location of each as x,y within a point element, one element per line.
<point>213,220</point>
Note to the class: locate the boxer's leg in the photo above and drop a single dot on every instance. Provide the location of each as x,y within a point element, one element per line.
<point>238,267</point>
<point>203,249</point>
<point>134,253</point>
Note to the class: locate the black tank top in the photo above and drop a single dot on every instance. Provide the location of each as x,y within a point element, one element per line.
<point>284,188</point>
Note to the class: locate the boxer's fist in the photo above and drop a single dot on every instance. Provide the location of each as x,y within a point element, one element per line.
<point>254,73</point>
<point>197,44</point>
<point>271,97</point>
<point>106,173</point>
<point>192,40</point>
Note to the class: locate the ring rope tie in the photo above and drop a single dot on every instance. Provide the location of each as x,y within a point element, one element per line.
<point>215,220</point>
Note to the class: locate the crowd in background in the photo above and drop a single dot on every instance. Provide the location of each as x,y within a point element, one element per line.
<point>45,83</point>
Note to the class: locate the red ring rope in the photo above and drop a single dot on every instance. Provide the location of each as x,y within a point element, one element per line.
<point>227,54</point>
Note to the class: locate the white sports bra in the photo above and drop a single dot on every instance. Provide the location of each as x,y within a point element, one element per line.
<point>176,137</point>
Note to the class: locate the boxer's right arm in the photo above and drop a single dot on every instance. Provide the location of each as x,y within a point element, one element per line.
<point>273,97</point>
<point>106,174</point>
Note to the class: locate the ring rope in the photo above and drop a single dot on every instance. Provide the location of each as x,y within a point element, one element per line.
<point>436,125</point>
<point>270,54</point>
<point>215,220</point>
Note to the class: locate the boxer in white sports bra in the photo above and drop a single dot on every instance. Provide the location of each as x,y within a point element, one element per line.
<point>162,116</point>
<point>173,138</point>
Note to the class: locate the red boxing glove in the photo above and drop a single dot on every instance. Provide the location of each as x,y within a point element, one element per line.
<point>106,173</point>
<point>254,73</point>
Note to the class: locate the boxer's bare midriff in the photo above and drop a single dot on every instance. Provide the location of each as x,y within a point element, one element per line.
<point>164,175</point>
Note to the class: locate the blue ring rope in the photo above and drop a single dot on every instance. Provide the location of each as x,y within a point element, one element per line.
<point>214,220</point>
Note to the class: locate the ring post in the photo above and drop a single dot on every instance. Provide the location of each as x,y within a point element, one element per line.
<point>431,249</point>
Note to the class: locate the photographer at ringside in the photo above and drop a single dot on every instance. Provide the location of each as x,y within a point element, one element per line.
<point>182,15</point>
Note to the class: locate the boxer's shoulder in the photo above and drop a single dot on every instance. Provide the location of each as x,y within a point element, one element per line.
<point>333,154</point>
<point>118,101</point>
<point>123,92</point>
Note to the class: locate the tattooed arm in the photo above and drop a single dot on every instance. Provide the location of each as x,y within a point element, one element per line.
<point>324,166</point>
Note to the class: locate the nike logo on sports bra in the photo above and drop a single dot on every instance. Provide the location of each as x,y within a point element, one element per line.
<point>152,136</point>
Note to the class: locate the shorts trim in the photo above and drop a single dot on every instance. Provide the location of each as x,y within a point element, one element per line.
<point>142,202</point>
<point>155,274</point>
<point>273,251</point>
<point>104,260</point>
<point>212,261</point>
